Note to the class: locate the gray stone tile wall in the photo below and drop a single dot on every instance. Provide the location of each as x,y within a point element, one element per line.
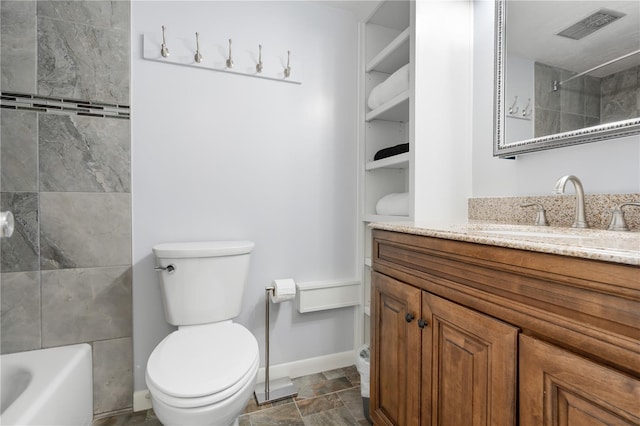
<point>584,102</point>
<point>111,385</point>
<point>621,95</point>
<point>18,46</point>
<point>84,154</point>
<point>65,275</point>
<point>574,106</point>
<point>20,322</point>
<point>83,230</point>
<point>19,160</point>
<point>81,305</point>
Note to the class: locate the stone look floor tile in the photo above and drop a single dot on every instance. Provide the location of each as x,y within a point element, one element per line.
<point>336,417</point>
<point>316,384</point>
<point>352,399</point>
<point>319,404</point>
<point>352,374</point>
<point>146,418</point>
<point>342,406</point>
<point>281,415</point>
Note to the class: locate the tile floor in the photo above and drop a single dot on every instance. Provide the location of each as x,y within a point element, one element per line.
<point>330,398</point>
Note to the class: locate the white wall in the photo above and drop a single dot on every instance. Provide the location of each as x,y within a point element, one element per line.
<point>603,167</point>
<point>519,91</point>
<point>442,122</point>
<point>220,156</point>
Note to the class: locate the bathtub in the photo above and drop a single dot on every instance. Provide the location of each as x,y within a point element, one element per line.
<point>47,387</point>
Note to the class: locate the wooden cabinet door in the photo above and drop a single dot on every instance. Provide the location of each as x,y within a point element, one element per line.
<point>395,352</point>
<point>558,387</point>
<point>469,367</point>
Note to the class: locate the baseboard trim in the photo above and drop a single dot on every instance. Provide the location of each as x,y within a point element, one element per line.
<point>309,366</point>
<point>142,399</point>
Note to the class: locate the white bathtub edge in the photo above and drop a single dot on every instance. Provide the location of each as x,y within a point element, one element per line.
<point>34,405</point>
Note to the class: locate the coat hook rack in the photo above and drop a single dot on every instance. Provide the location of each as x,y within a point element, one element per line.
<point>198,55</point>
<point>520,113</point>
<point>229,59</point>
<point>242,62</point>
<point>514,109</point>
<point>259,64</point>
<point>287,70</point>
<point>164,51</point>
<point>526,112</point>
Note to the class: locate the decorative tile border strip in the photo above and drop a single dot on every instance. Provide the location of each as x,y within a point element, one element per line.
<point>54,105</point>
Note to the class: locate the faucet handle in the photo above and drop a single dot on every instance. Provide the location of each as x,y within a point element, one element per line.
<point>617,218</point>
<point>541,218</point>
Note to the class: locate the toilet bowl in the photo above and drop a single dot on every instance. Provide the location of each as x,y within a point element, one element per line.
<point>203,374</point>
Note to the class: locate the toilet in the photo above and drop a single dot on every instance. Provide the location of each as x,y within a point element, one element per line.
<point>204,372</point>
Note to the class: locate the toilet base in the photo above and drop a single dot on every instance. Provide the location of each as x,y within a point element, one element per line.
<point>224,413</point>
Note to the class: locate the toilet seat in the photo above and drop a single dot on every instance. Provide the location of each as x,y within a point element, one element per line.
<point>202,365</point>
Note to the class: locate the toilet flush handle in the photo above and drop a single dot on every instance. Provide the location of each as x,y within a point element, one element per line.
<point>169,268</point>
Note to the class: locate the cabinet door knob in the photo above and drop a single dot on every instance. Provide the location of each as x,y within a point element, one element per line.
<point>422,323</point>
<point>409,317</point>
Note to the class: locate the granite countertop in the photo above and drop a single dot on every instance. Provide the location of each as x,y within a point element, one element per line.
<point>597,244</point>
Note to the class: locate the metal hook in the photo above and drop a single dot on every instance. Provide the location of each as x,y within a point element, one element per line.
<point>198,56</point>
<point>164,51</point>
<point>259,64</point>
<point>514,109</point>
<point>526,112</point>
<point>229,59</point>
<point>287,70</point>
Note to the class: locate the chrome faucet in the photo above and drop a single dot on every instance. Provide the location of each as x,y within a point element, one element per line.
<point>579,221</point>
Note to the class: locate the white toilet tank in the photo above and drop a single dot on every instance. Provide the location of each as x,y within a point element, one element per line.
<point>202,282</point>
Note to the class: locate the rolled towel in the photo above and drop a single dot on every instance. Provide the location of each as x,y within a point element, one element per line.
<point>394,204</point>
<point>390,152</point>
<point>395,84</point>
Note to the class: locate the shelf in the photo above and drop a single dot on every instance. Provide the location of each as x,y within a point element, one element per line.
<point>400,161</point>
<point>393,56</point>
<point>397,109</point>
<point>391,14</point>
<point>381,218</point>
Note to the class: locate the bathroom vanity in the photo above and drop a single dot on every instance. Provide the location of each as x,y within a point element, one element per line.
<point>495,325</point>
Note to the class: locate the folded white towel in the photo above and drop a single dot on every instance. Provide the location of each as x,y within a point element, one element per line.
<point>395,84</point>
<point>394,204</point>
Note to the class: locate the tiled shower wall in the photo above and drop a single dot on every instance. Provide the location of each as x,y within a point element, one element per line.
<point>584,102</point>
<point>66,272</point>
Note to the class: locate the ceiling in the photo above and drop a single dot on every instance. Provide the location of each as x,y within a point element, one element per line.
<point>532,26</point>
<point>361,9</point>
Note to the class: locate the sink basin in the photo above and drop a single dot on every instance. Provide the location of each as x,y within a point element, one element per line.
<point>540,234</point>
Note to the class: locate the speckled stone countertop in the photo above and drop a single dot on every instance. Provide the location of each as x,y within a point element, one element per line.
<point>608,246</point>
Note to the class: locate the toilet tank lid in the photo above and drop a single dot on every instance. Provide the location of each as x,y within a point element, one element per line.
<point>202,249</point>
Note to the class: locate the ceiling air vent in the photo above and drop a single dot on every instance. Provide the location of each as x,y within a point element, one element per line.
<point>591,23</point>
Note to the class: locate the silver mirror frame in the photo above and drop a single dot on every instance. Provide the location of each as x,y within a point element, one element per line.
<point>509,150</point>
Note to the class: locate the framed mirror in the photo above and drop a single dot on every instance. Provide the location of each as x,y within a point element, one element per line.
<point>567,72</point>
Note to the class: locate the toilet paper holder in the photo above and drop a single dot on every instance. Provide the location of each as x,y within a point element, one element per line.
<point>277,389</point>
